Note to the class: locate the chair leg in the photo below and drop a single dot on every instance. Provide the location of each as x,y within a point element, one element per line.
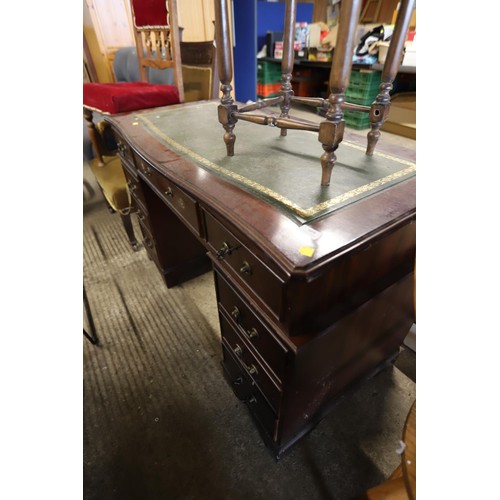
<point>129,229</point>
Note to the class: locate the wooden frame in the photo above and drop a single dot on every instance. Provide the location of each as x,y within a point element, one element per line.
<point>159,47</point>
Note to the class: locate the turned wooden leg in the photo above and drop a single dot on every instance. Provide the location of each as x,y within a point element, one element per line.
<point>331,131</point>
<point>378,114</point>
<point>225,67</point>
<point>287,60</point>
<point>382,104</point>
<point>129,229</point>
<point>93,135</point>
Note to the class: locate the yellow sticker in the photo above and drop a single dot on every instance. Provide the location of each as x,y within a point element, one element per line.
<point>307,251</point>
<point>135,123</point>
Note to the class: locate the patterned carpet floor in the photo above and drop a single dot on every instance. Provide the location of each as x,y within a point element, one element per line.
<point>160,422</point>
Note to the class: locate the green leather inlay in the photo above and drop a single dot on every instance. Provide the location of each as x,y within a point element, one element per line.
<point>286,171</point>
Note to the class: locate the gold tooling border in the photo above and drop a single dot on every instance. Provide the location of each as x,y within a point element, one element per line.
<point>302,212</point>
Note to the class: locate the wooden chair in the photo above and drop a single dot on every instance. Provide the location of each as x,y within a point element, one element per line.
<point>199,71</point>
<point>158,46</point>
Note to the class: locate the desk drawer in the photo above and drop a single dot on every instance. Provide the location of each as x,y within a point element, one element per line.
<point>244,390</point>
<point>272,351</point>
<point>129,169</point>
<point>142,215</point>
<point>148,242</point>
<point>135,191</point>
<point>181,203</point>
<point>249,364</point>
<point>123,148</point>
<point>259,278</point>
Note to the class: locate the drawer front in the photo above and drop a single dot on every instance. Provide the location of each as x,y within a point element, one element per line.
<point>244,390</point>
<point>181,203</point>
<point>148,241</point>
<point>123,148</point>
<point>249,363</point>
<point>272,351</point>
<point>135,191</point>
<point>142,215</point>
<point>259,278</point>
<point>129,169</point>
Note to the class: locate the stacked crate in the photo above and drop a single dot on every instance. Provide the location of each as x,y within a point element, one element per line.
<point>268,79</point>
<point>363,89</point>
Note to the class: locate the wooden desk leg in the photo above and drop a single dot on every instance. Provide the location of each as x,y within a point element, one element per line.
<point>382,104</point>
<point>129,229</point>
<point>331,131</point>
<point>225,68</point>
<point>287,60</point>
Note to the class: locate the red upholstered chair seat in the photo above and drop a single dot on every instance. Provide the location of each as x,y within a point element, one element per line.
<point>111,98</point>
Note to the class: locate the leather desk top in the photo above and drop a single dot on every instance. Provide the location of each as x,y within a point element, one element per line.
<point>285,171</point>
<point>271,186</point>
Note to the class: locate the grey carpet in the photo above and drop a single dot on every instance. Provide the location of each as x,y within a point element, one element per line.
<point>160,422</point>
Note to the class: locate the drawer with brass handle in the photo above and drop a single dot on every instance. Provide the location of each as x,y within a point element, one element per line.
<point>250,364</point>
<point>123,148</point>
<point>272,351</point>
<point>227,248</point>
<point>148,241</point>
<point>142,215</point>
<point>181,203</point>
<point>136,193</point>
<point>244,390</point>
<point>129,169</point>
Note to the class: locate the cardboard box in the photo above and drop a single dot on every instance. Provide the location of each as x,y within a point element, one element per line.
<point>402,119</point>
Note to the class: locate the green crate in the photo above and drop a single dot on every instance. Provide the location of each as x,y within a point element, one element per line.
<point>363,87</point>
<point>268,72</point>
<point>355,98</point>
<point>365,77</point>
<point>361,96</point>
<point>357,119</point>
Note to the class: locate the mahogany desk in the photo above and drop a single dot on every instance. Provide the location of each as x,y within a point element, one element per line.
<point>314,285</point>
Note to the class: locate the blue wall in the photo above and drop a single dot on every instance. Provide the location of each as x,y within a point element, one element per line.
<point>252,20</point>
<point>271,17</point>
<point>245,50</point>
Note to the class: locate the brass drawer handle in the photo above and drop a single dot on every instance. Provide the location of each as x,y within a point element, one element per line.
<point>224,250</point>
<point>238,350</point>
<point>148,242</point>
<point>146,168</point>
<point>252,400</point>
<point>131,186</point>
<point>122,148</point>
<point>252,334</point>
<point>235,313</point>
<point>246,268</point>
<point>251,369</point>
<point>169,192</point>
